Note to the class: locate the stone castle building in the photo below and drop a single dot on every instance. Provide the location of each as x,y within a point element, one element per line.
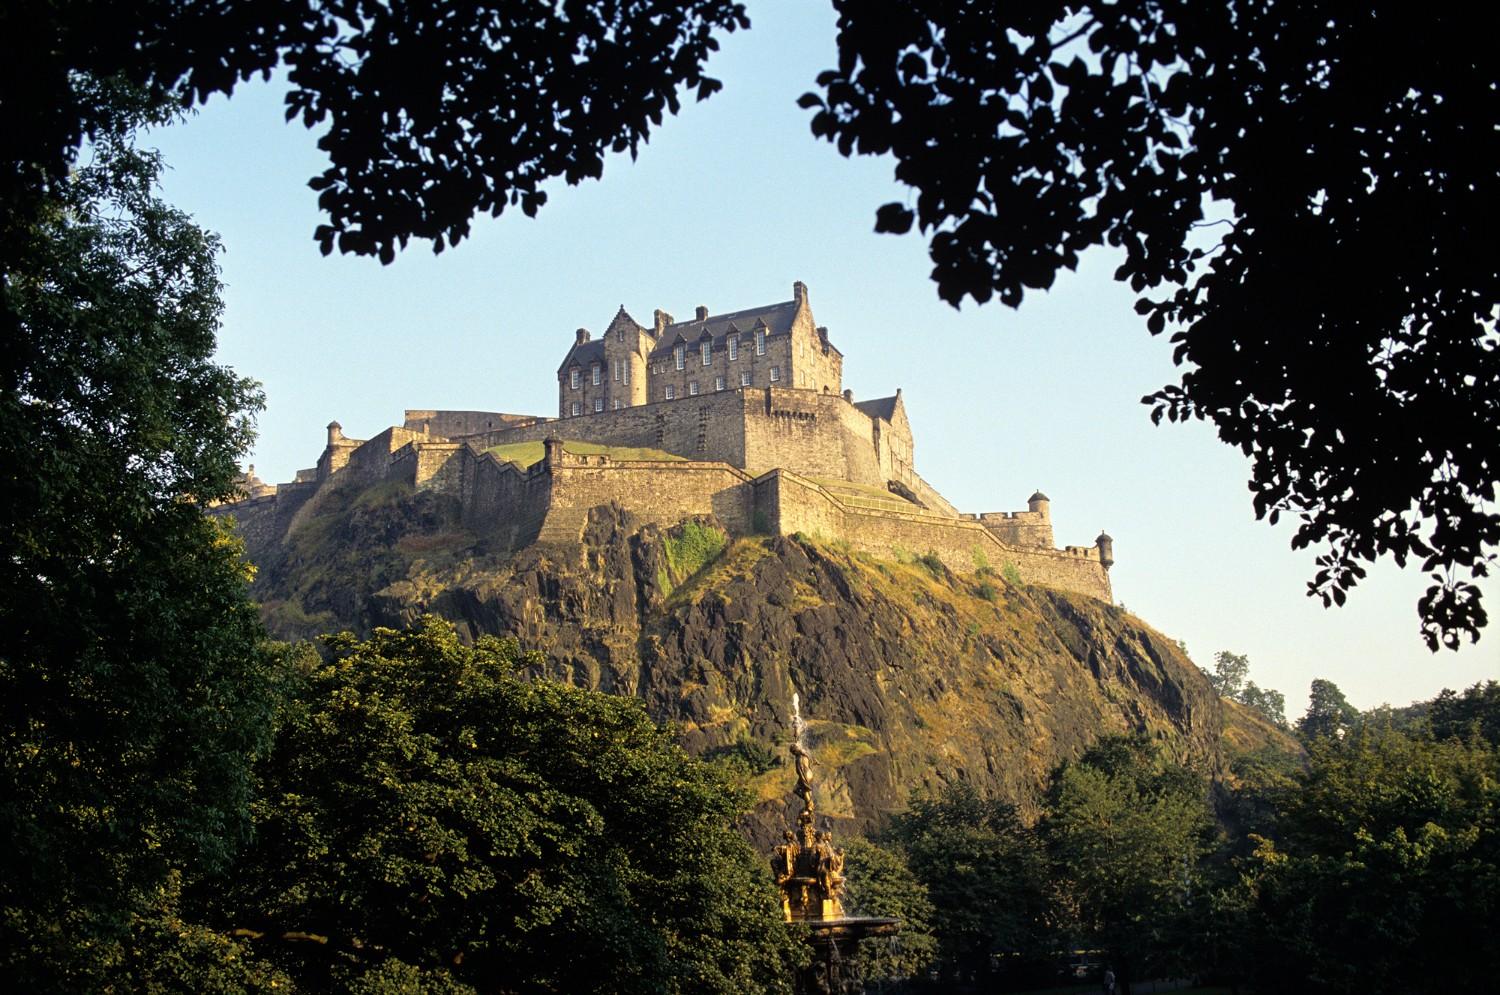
<point>743,416</point>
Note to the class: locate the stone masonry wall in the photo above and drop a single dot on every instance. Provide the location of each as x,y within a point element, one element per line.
<point>801,505</point>
<point>663,493</point>
<point>452,424</point>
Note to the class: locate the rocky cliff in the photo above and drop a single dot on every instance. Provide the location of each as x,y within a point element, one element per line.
<point>907,675</point>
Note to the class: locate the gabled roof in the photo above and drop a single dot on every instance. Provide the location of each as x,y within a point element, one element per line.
<point>880,407</point>
<point>775,318</point>
<point>583,354</point>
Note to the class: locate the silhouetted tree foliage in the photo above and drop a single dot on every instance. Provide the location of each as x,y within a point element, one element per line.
<point>434,111</point>
<point>135,691</point>
<point>1337,325</point>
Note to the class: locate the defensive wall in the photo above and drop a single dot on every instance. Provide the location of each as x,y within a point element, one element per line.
<point>549,501</point>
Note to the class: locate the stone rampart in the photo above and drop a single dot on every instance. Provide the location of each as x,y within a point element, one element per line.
<point>659,492</point>
<point>453,424</point>
<point>796,504</point>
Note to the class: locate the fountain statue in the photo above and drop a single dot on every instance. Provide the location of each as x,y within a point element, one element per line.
<point>809,870</point>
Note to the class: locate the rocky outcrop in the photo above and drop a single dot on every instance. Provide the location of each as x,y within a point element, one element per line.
<point>907,675</point>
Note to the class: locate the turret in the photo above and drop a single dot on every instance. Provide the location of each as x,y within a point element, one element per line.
<point>1106,546</point>
<point>552,450</point>
<point>335,433</point>
<point>1039,503</point>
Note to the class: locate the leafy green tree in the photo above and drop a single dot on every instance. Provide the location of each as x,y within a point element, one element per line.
<point>428,821</point>
<point>1335,323</point>
<point>880,884</point>
<point>135,692</point>
<point>1126,830</point>
<point>1384,872</point>
<point>984,869</point>
<point>1328,712</point>
<point>1228,676</point>
<point>1268,702</point>
<point>1474,712</point>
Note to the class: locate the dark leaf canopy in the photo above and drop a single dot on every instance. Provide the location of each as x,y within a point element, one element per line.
<point>434,111</point>
<point>1337,325</point>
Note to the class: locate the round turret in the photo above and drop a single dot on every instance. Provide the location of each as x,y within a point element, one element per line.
<point>335,432</point>
<point>1106,546</point>
<point>1038,502</point>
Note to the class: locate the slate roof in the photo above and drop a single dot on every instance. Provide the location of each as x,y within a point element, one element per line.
<point>777,319</point>
<point>591,351</point>
<point>880,407</point>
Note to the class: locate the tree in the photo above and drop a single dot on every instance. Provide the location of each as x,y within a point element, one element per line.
<point>1268,702</point>
<point>1474,712</point>
<point>1125,831</point>
<point>881,884</point>
<point>1339,331</point>
<point>434,111</point>
<point>1384,870</point>
<point>1328,713</point>
<point>135,690</point>
<point>984,869</point>
<point>429,821</point>
<point>1228,677</point>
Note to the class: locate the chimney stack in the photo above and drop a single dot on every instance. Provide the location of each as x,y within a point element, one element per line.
<point>702,312</point>
<point>582,336</point>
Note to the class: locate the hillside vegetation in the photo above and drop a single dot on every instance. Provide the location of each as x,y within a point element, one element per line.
<point>909,676</point>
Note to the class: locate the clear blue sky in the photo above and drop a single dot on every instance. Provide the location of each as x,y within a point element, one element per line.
<point>726,206</point>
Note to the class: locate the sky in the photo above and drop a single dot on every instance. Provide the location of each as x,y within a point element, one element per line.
<point>726,206</point>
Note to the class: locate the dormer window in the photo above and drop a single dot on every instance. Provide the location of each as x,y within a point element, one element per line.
<point>594,374</point>
<point>760,341</point>
<point>574,379</point>
<point>733,341</point>
<point>680,355</point>
<point>706,349</point>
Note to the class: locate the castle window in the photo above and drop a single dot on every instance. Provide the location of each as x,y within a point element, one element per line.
<point>680,356</point>
<point>760,341</point>
<point>617,371</point>
<point>775,373</point>
<point>718,383</point>
<point>733,341</point>
<point>671,392</point>
<point>706,349</point>
<point>617,404</point>
<point>594,374</point>
<point>574,380</point>
<point>598,404</point>
<point>577,409</point>
<point>745,379</point>
<point>693,389</point>
<point>625,364</point>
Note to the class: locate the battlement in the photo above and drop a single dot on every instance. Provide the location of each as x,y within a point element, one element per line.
<point>787,451</point>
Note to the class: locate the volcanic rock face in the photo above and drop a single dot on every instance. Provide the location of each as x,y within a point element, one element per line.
<point>908,675</point>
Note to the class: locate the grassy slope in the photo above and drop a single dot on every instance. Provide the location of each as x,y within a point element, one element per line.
<point>525,454</point>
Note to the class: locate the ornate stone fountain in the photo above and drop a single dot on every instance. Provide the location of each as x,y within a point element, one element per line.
<point>810,872</point>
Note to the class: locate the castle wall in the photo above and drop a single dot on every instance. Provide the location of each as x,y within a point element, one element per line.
<point>663,493</point>
<point>795,504</point>
<point>818,435</point>
<point>499,499</point>
<point>453,424</point>
<point>1018,528</point>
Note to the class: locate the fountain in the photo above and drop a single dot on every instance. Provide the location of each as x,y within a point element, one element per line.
<point>809,870</point>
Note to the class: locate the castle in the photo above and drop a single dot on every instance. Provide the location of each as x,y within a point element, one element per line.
<point>741,415</point>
